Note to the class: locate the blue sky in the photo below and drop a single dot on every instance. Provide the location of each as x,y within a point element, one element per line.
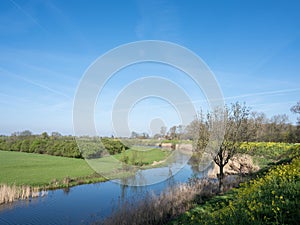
<point>252,47</point>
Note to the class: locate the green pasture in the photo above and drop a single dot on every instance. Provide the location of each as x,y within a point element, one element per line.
<point>39,170</point>
<point>51,171</point>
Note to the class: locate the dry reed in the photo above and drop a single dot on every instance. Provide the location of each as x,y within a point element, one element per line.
<point>13,193</point>
<point>159,209</point>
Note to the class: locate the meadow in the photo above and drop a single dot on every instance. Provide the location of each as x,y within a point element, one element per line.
<point>18,168</point>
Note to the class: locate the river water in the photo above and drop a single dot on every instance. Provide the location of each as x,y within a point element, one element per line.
<point>85,203</point>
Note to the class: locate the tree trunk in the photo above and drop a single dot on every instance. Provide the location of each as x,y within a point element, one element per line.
<point>221,176</point>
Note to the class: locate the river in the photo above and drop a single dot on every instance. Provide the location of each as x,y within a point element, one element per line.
<point>84,204</point>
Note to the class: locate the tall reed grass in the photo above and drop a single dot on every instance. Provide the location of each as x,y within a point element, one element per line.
<point>159,209</point>
<point>12,193</point>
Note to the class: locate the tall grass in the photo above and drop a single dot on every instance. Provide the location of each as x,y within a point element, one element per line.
<point>159,209</point>
<point>12,193</point>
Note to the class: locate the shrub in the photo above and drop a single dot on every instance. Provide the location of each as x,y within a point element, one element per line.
<point>113,146</point>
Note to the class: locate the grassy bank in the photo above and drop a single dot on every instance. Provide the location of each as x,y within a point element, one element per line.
<point>265,153</point>
<point>272,198</point>
<point>43,170</point>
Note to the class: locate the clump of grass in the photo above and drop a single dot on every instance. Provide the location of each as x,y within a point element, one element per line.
<point>159,209</point>
<point>12,193</point>
<point>67,182</point>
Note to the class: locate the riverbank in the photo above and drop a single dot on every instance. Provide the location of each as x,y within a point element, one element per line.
<point>169,203</point>
<point>27,175</point>
<point>271,198</point>
<point>23,175</point>
<point>11,193</point>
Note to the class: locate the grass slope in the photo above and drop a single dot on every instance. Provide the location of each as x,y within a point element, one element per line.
<point>44,170</point>
<point>271,198</point>
<point>39,170</point>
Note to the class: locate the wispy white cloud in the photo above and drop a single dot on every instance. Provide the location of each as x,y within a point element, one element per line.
<point>264,93</point>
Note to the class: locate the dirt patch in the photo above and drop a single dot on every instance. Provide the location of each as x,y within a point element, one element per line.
<point>238,164</point>
<point>158,162</point>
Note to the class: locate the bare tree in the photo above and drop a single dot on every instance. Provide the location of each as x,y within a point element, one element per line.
<point>172,133</point>
<point>198,131</point>
<point>180,131</point>
<point>163,131</point>
<point>235,119</point>
<point>257,126</point>
<point>202,132</point>
<point>191,129</point>
<point>278,127</point>
<point>296,109</point>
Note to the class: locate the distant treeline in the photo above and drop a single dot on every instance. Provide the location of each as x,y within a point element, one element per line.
<point>58,145</point>
<point>255,128</point>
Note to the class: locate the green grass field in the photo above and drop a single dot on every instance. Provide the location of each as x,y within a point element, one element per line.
<point>49,171</point>
<point>141,156</point>
<point>39,170</point>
